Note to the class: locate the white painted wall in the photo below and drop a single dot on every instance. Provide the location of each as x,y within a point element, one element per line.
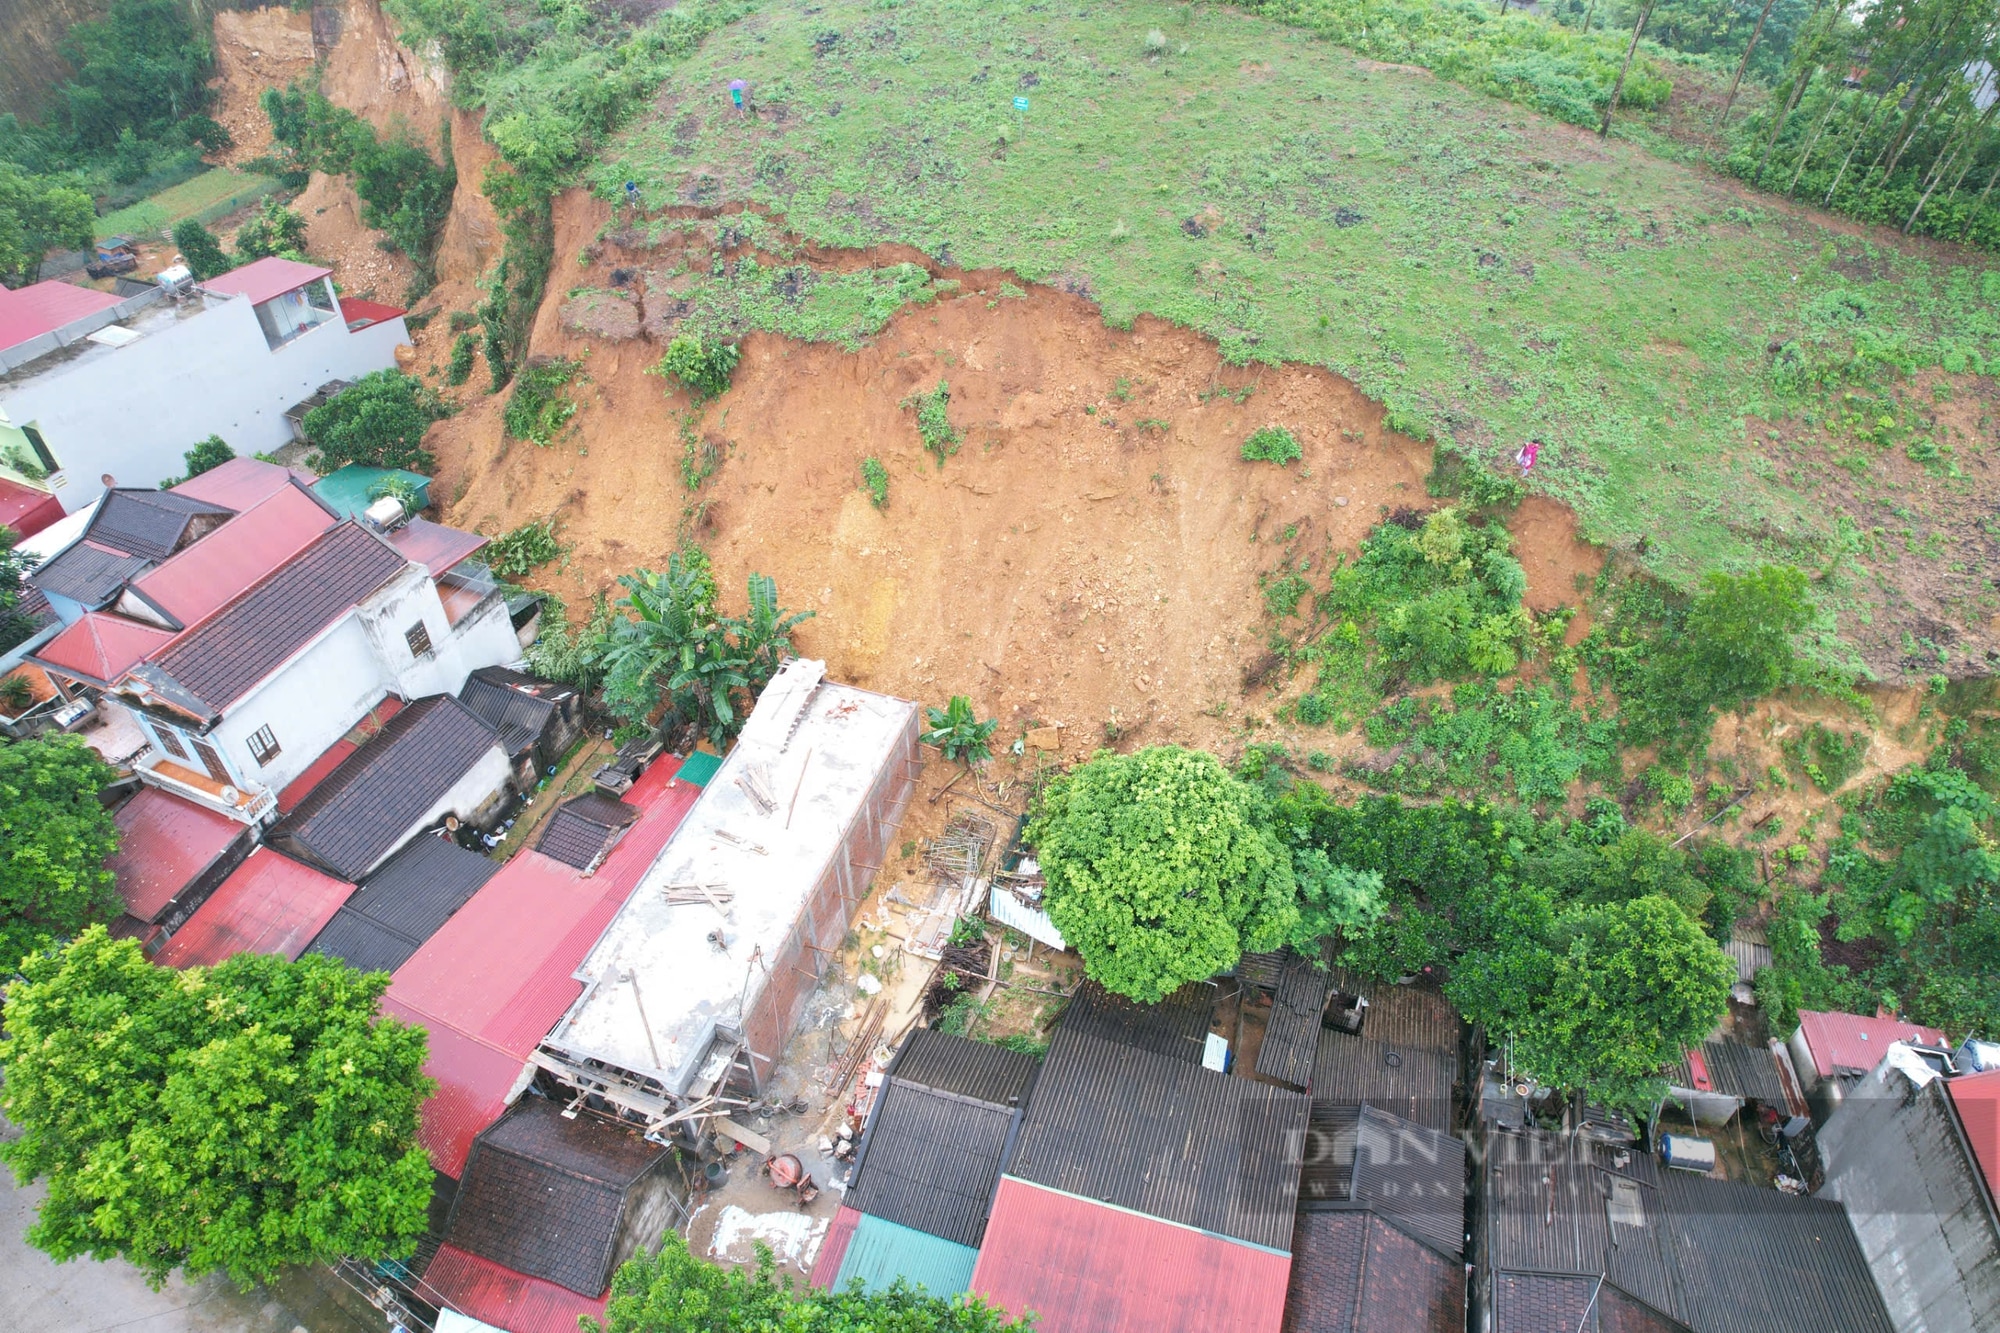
<point>308,705</point>
<point>475,797</point>
<point>134,411</point>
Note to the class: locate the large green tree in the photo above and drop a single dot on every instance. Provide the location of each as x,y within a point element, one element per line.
<point>38,213</point>
<point>1600,997</point>
<point>143,67</point>
<point>54,837</point>
<point>238,1118</point>
<point>1162,869</point>
<point>675,1292</point>
<point>378,421</point>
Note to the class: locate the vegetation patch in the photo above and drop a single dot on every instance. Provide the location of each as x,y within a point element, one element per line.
<point>522,551</point>
<point>1272,444</point>
<point>875,480</point>
<point>379,421</point>
<point>934,426</point>
<point>540,405</point>
<point>801,302</point>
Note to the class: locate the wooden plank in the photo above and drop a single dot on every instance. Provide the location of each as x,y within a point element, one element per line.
<point>749,1138</point>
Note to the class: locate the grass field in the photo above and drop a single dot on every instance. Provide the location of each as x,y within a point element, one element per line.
<point>1488,274</point>
<point>208,196</point>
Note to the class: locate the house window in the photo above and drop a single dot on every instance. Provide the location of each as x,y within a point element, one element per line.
<point>263,745</point>
<point>170,741</point>
<point>419,639</point>
<point>41,448</point>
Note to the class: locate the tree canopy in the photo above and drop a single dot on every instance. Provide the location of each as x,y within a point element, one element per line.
<point>38,213</point>
<point>54,838</point>
<point>1161,869</point>
<point>379,421</point>
<point>674,1292</point>
<point>142,69</point>
<point>238,1118</point>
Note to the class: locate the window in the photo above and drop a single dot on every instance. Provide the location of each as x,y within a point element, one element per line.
<point>263,745</point>
<point>419,639</point>
<point>170,741</point>
<point>41,448</point>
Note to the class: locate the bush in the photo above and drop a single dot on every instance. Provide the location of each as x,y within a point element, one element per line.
<point>1454,476</point>
<point>526,549</point>
<point>875,480</point>
<point>274,230</point>
<point>379,422</point>
<point>211,453</point>
<point>200,251</point>
<point>459,370</point>
<point>702,368</point>
<point>1272,444</point>
<point>934,421</point>
<point>540,405</point>
<point>958,733</point>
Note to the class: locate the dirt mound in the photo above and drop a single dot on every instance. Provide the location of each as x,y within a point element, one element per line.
<point>336,236</point>
<point>373,75</point>
<point>254,50</point>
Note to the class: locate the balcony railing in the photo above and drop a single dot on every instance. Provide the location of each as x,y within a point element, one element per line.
<point>251,804</point>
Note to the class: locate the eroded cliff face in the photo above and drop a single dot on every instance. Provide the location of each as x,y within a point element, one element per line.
<point>31,33</point>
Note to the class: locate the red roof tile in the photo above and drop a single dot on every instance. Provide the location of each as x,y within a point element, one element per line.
<point>1977,1097</point>
<point>163,843</point>
<point>1090,1268</point>
<point>433,545</point>
<point>26,510</point>
<point>359,314</point>
<point>101,647</point>
<point>266,278</point>
<point>272,904</point>
<point>195,582</point>
<point>316,772</point>
<point>45,307</point>
<point>241,483</point>
<point>1851,1041</point>
<point>484,1290</point>
<point>833,1250</point>
<point>502,970</point>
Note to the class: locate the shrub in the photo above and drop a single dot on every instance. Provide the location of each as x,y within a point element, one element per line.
<point>200,251</point>
<point>875,480</point>
<point>957,732</point>
<point>274,230</point>
<point>540,405</point>
<point>401,489</point>
<point>379,422</point>
<point>703,368</point>
<point>934,421</point>
<point>1454,476</point>
<point>208,454</point>
<point>459,370</point>
<point>524,550</point>
<point>1272,444</point>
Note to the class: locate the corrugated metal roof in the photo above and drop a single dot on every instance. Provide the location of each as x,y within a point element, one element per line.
<point>699,767</point>
<point>403,904</point>
<point>239,483</point>
<point>514,704</point>
<point>976,1069</point>
<point>1291,1035</point>
<point>1177,1026</point>
<point>1857,1043</point>
<point>493,981</point>
<point>1404,1016</point>
<point>203,576</point>
<point>266,278</point>
<point>89,573</point>
<point>370,803</point>
<point>497,1295</point>
<point>1412,1175</point>
<point>1732,1069</point>
<point>880,1253</point>
<point>1353,1272</point>
<point>930,1160</point>
<point>833,1249</point>
<point>1165,1138</point>
<point>43,307</point>
<point>101,647</point>
<point>27,510</point>
<point>1089,1268</point>
<point>435,546</point>
<point>1411,1082</point>
<point>545,1196</point>
<point>1977,1097</point>
<point>164,842</point>
<point>1010,909</point>
<point>235,649</point>
<point>359,314</point>
<point>272,904</point>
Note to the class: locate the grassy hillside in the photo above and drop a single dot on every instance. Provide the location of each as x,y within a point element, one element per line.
<point>1708,373</point>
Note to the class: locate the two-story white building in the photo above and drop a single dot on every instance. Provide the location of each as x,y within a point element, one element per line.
<point>247,628</point>
<point>98,391</point>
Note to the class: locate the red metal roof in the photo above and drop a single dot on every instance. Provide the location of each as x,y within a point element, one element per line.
<point>101,647</point>
<point>1851,1041</point>
<point>1090,1268</point>
<point>46,307</point>
<point>241,483</point>
<point>266,278</point>
<point>317,771</point>
<point>359,314</point>
<point>433,545</point>
<point>833,1250</point>
<point>193,583</point>
<point>1977,1097</point>
<point>272,904</point>
<point>502,1297</point>
<point>163,843</point>
<point>26,510</point>
<point>495,979</point>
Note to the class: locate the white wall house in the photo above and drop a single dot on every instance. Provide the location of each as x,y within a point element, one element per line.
<point>123,402</point>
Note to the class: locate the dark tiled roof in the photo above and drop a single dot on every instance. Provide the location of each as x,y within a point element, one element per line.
<point>1356,1273</point>
<point>370,803</point>
<point>245,641</point>
<point>1737,1070</point>
<point>148,523</point>
<point>88,574</point>
<point>513,704</point>
<point>403,904</point>
<point>931,1161</point>
<point>584,828</point>
<point>546,1196</point>
<point>1165,1138</point>
<point>1177,1026</point>
<point>1404,1016</point>
<point>1412,1082</point>
<point>1412,1175</point>
<point>975,1069</point>
<point>1291,1036</point>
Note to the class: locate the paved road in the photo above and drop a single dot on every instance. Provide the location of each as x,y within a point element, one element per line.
<point>38,1295</point>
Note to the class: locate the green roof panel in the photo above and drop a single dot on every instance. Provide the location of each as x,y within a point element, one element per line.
<point>699,767</point>
<point>345,490</point>
<point>880,1252</point>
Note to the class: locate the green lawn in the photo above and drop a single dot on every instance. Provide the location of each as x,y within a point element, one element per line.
<point>215,192</point>
<point>1488,274</point>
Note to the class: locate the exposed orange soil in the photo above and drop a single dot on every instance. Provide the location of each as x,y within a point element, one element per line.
<point>255,49</point>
